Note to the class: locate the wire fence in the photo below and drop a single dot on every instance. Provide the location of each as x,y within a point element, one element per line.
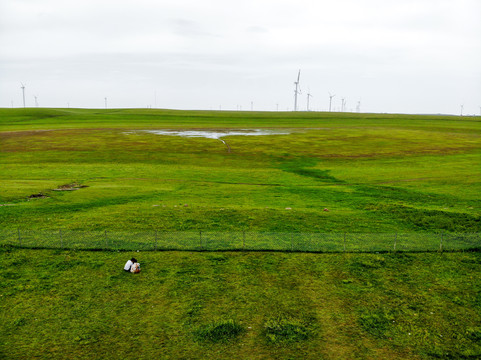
<point>240,241</point>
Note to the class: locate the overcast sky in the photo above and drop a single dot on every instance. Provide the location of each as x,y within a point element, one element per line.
<point>409,56</point>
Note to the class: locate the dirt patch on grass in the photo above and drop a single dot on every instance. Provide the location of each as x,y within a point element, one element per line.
<point>70,187</point>
<point>38,196</point>
<point>65,187</point>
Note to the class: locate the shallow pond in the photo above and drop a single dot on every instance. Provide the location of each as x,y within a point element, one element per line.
<point>217,134</point>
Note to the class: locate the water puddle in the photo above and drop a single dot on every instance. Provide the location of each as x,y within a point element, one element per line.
<point>216,134</point>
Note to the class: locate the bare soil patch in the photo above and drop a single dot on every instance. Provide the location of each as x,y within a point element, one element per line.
<point>38,196</point>
<point>65,187</point>
<point>70,187</point>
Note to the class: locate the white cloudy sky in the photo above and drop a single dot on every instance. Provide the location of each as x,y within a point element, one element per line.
<point>411,56</point>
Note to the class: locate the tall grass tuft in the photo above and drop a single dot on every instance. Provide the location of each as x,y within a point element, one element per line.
<point>221,331</point>
<point>280,330</point>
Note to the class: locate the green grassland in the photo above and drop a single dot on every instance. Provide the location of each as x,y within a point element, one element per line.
<point>59,304</point>
<point>373,172</point>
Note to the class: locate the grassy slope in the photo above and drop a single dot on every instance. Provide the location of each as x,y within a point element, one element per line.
<point>374,172</point>
<point>60,304</point>
<point>37,119</point>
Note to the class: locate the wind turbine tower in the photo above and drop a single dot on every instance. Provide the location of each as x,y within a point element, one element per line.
<point>358,107</point>
<point>462,108</point>
<point>330,100</point>
<point>23,93</point>
<point>343,104</point>
<point>36,102</point>
<point>308,96</point>
<point>297,90</point>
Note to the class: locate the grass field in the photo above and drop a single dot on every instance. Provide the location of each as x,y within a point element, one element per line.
<point>81,305</point>
<point>64,171</point>
<point>374,173</point>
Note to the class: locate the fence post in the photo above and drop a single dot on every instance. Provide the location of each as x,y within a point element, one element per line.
<point>19,237</point>
<point>243,240</point>
<point>200,239</point>
<point>441,244</point>
<point>395,241</point>
<point>61,238</point>
<point>344,242</point>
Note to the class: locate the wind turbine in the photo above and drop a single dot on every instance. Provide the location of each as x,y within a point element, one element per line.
<point>23,92</point>
<point>358,106</point>
<point>308,96</point>
<point>330,100</point>
<point>296,91</point>
<point>36,102</point>
<point>462,107</point>
<point>343,104</point>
